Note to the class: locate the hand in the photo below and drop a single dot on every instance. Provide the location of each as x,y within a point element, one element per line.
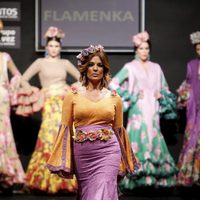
<point>26,86</point>
<point>157,95</point>
<point>141,94</point>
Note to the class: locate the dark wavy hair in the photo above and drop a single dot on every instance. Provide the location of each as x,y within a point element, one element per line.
<point>83,67</point>
<point>57,39</point>
<point>195,45</point>
<point>148,42</point>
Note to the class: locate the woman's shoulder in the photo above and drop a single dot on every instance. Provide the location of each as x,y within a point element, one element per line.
<point>39,60</point>
<point>115,96</point>
<point>75,89</point>
<point>71,92</point>
<point>65,61</point>
<point>154,65</point>
<point>193,61</point>
<point>6,55</point>
<point>130,64</point>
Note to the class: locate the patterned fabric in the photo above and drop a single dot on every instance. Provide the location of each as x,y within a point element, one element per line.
<point>143,128</point>
<point>11,170</point>
<point>38,176</point>
<point>103,134</point>
<point>189,160</point>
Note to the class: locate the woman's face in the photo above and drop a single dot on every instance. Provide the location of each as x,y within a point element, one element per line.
<point>198,50</point>
<point>143,51</point>
<point>95,70</point>
<point>53,47</point>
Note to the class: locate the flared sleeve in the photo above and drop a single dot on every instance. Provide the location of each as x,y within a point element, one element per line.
<point>30,99</point>
<point>15,80</point>
<point>168,108</point>
<point>183,94</point>
<point>60,161</point>
<point>72,70</point>
<point>129,163</point>
<point>13,89</point>
<point>184,90</point>
<point>121,83</point>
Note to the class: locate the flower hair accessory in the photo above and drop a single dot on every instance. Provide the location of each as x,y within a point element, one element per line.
<point>195,37</point>
<point>54,32</point>
<point>86,52</point>
<point>139,38</point>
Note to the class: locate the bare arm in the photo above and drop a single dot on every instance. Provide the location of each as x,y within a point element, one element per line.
<point>11,65</point>
<point>32,70</point>
<point>72,70</point>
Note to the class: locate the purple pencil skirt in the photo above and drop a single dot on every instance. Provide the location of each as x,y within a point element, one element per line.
<point>96,167</point>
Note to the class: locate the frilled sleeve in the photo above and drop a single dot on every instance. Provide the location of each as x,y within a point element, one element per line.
<point>15,80</point>
<point>7,64</point>
<point>184,90</point>
<point>183,94</point>
<point>60,161</point>
<point>30,99</point>
<point>129,163</point>
<point>120,83</point>
<point>168,109</point>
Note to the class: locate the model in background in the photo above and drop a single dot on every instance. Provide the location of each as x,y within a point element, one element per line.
<point>100,150</point>
<point>145,94</point>
<point>189,96</point>
<point>11,171</point>
<point>52,71</point>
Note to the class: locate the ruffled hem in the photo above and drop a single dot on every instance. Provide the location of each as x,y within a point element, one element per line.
<point>7,179</point>
<point>168,109</point>
<point>29,101</point>
<point>11,171</point>
<point>61,171</point>
<point>161,169</point>
<point>189,173</point>
<point>13,89</point>
<point>183,94</point>
<point>158,174</point>
<point>143,181</point>
<point>41,179</point>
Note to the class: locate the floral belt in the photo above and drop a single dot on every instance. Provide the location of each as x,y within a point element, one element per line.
<point>103,134</point>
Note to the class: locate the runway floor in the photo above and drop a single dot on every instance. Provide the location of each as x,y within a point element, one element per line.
<point>139,194</point>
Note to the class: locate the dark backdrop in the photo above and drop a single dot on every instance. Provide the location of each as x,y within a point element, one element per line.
<point>169,24</point>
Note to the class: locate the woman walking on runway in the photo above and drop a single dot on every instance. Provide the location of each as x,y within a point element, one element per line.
<point>98,150</point>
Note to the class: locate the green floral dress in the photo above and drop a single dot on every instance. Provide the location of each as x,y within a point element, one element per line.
<point>143,127</point>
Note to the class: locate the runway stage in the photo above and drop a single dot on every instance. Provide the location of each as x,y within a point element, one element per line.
<point>138,194</point>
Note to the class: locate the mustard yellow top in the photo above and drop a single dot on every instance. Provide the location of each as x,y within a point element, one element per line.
<point>81,111</point>
<point>78,110</point>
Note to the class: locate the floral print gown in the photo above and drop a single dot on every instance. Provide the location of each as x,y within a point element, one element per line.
<point>49,100</point>
<point>11,170</point>
<point>189,160</point>
<point>157,165</point>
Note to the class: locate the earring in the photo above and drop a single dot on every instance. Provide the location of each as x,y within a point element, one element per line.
<point>84,79</point>
<point>46,54</point>
<point>136,57</point>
